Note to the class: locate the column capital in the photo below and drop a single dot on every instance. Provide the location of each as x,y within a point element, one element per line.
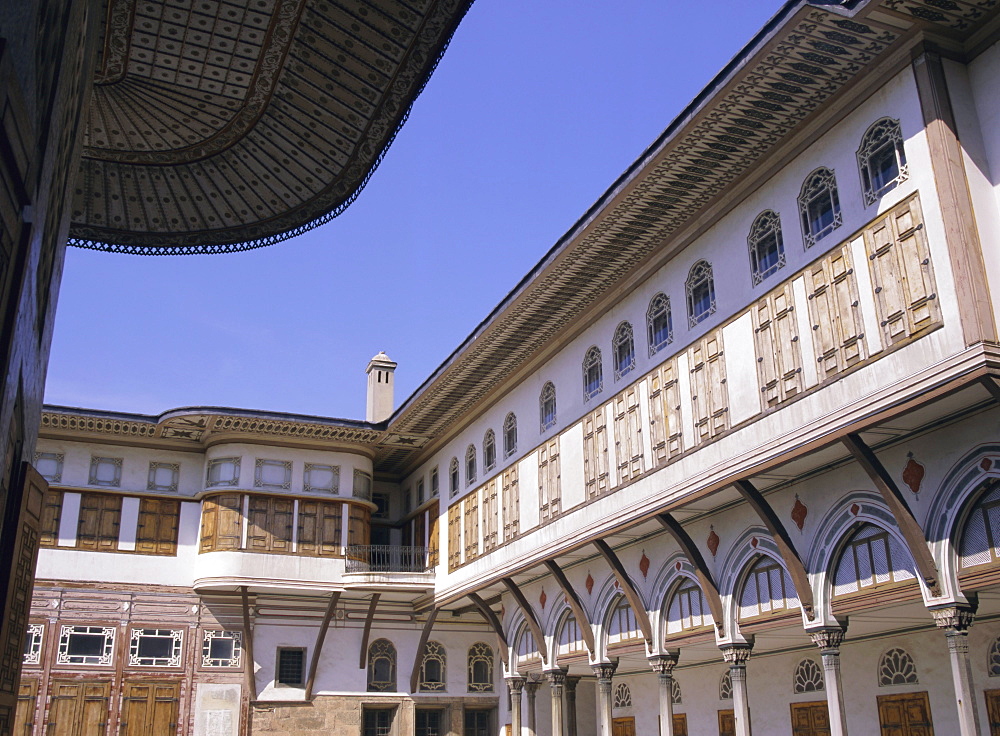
<point>531,686</point>
<point>663,664</point>
<point>736,655</point>
<point>828,639</point>
<point>516,684</point>
<point>954,619</point>
<point>571,682</point>
<point>605,670</point>
<point>556,677</point>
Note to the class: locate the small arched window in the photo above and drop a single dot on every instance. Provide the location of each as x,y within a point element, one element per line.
<point>881,159</point>
<point>623,350</point>
<point>659,325</point>
<point>700,292</point>
<point>480,668</point>
<point>623,696</point>
<point>593,373</point>
<point>726,686</point>
<point>509,435</point>
<point>470,464</point>
<point>819,206</point>
<point>547,406</point>
<point>872,557</point>
<point>432,668</point>
<point>980,541</point>
<point>489,450</point>
<point>622,626</point>
<point>687,609</point>
<point>453,479</point>
<point>768,589</point>
<point>675,691</point>
<point>767,251</point>
<point>381,666</point>
<point>896,668</point>
<point>808,678</point>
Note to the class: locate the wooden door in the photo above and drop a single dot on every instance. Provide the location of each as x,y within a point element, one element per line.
<point>727,723</point>
<point>680,724</point>
<point>992,711</point>
<point>24,716</point>
<point>622,727</point>
<point>908,714</point>
<point>810,719</point>
<point>79,708</point>
<point>149,708</point>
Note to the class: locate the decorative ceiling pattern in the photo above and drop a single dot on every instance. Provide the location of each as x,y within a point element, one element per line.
<point>218,126</point>
<point>812,54</point>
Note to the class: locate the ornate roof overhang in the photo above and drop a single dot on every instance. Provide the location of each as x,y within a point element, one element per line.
<point>784,81</point>
<point>225,125</point>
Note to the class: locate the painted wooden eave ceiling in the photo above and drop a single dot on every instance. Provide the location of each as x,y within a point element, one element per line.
<point>224,125</point>
<point>780,81</point>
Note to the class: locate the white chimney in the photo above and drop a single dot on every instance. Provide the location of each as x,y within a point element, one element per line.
<point>380,370</point>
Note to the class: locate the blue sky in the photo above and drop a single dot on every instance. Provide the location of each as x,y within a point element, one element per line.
<point>535,109</point>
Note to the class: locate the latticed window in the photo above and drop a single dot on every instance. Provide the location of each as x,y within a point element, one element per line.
<point>819,206</point>
<point>453,481</point>
<point>980,542</point>
<point>688,608</point>
<point>700,287</point>
<point>993,659</point>
<point>432,668</point>
<point>871,557</point>
<point>808,677</point>
<point>509,435</point>
<point>624,350</point>
<point>675,691</point>
<point>659,324</point>
<point>881,159</point>
<point>623,696</point>
<point>767,251</point>
<point>291,667</point>
<point>480,668</point>
<point>768,589</point>
<point>435,483</point>
<point>726,687</point>
<point>622,625</point>
<point>896,668</point>
<point>570,639</point>
<point>526,648</point>
<point>470,464</point>
<point>489,451</point>
<point>32,653</point>
<point>547,406</point>
<point>381,666</point>
<point>593,373</point>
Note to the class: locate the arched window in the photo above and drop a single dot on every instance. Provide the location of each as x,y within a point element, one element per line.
<point>435,482</point>
<point>489,450</point>
<point>659,325</point>
<point>767,251</point>
<point>993,659</point>
<point>700,292</point>
<point>593,373</point>
<point>470,464</point>
<point>622,626</point>
<point>808,678</point>
<point>547,406</point>
<point>480,668</point>
<point>453,480</point>
<point>509,435</point>
<point>675,691</point>
<point>623,350</point>
<point>980,541</point>
<point>432,668</point>
<point>687,609</point>
<point>768,589</point>
<point>819,206</point>
<point>872,557</point>
<point>726,687</point>
<point>623,696</point>
<point>896,668</point>
<point>527,650</point>
<point>570,639</point>
<point>381,667</point>
<point>881,159</point>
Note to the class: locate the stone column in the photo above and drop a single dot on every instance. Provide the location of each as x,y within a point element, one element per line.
<point>604,672</point>
<point>532,688</point>
<point>557,683</point>
<point>515,686</point>
<point>829,641</point>
<point>737,656</point>
<point>663,665</point>
<point>956,622</point>
<point>571,683</point>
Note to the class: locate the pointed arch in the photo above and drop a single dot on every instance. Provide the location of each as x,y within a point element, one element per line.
<point>509,434</point>
<point>623,350</point>
<point>489,450</point>
<point>700,287</point>
<point>881,159</point>
<point>593,373</point>
<point>767,248</point>
<point>819,206</point>
<point>547,406</point>
<point>659,323</point>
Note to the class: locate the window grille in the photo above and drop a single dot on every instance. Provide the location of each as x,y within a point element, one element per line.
<point>432,668</point>
<point>819,206</point>
<point>480,668</point>
<point>570,638</point>
<point>547,406</point>
<point>435,483</point>
<point>377,722</point>
<point>33,644</point>
<point>768,589</point>
<point>808,678</point>
<point>105,471</point>
<point>623,696</point>
<point>489,451</point>
<point>872,557</point>
<point>291,667</point>
<point>700,287</point>
<point>381,666</point>
<point>622,625</point>
<point>881,159</point>
<point>659,325</point>
<point>623,350</point>
<point>86,645</point>
<point>470,464</point>
<point>980,542</point>
<point>221,648</point>
<point>430,722</point>
<point>50,465</point>
<point>675,691</point>
<point>993,659</point>
<point>726,687</point>
<point>156,647</point>
<point>767,251</point>
<point>593,373</point>
<point>896,668</point>
<point>688,608</point>
<point>453,480</point>
<point>509,435</point>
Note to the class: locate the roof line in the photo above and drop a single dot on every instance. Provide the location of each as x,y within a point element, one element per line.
<point>214,411</point>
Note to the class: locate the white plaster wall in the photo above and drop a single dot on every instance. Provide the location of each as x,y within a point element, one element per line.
<point>216,709</point>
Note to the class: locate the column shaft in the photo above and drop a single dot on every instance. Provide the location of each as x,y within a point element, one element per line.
<point>557,682</point>
<point>515,684</point>
<point>663,665</point>
<point>737,658</point>
<point>571,683</point>
<point>956,622</point>
<point>532,688</point>
<point>604,673</point>
<point>828,641</point>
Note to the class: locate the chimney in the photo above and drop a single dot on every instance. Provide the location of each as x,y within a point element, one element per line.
<point>380,370</point>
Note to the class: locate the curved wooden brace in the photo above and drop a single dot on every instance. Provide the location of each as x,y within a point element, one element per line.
<point>491,618</point>
<point>368,630</point>
<point>418,658</point>
<point>634,599</point>
<point>894,499</point>
<point>529,616</point>
<point>586,630</point>
<point>318,646</point>
<point>701,571</point>
<point>793,563</point>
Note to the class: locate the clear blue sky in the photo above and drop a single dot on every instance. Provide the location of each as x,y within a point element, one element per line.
<point>535,109</point>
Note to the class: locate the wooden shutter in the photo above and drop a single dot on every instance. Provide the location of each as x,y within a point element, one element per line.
<point>269,527</point>
<point>433,535</point>
<point>471,505</point>
<point>595,453</point>
<point>330,530</point>
<point>358,525</point>
<point>222,522</point>
<point>779,360</point>
<point>156,533</point>
<point>100,517</point>
<point>308,522</point>
<point>901,272</point>
<point>833,310</point>
<point>149,708</point>
<point>665,413</point>
<point>628,434</point>
<point>710,399</point>
<point>51,516</point>
<point>490,515</point>
<point>27,701</point>
<point>454,536</point>
<point>549,491</point>
<point>511,495</point>
<point>79,708</point>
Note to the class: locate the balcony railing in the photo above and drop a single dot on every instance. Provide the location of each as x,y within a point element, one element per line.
<point>386,558</point>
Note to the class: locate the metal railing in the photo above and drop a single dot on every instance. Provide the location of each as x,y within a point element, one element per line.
<point>386,558</point>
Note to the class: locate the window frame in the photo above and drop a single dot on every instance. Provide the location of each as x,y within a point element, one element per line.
<point>547,419</point>
<point>623,350</point>
<point>135,657</point>
<point>489,450</point>
<point>819,182</point>
<point>233,662</point>
<point>509,435</point>
<point>881,134</point>
<point>766,228</point>
<point>659,305</point>
<point>700,273</point>
<point>470,465</point>
<point>278,654</point>
<point>454,477</point>
<point>592,362</point>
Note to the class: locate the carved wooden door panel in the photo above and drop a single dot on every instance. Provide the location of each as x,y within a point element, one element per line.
<point>992,711</point>
<point>79,708</point>
<point>810,719</point>
<point>623,727</point>
<point>149,708</point>
<point>680,724</point>
<point>905,715</point>
<point>727,723</point>
<point>27,700</point>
